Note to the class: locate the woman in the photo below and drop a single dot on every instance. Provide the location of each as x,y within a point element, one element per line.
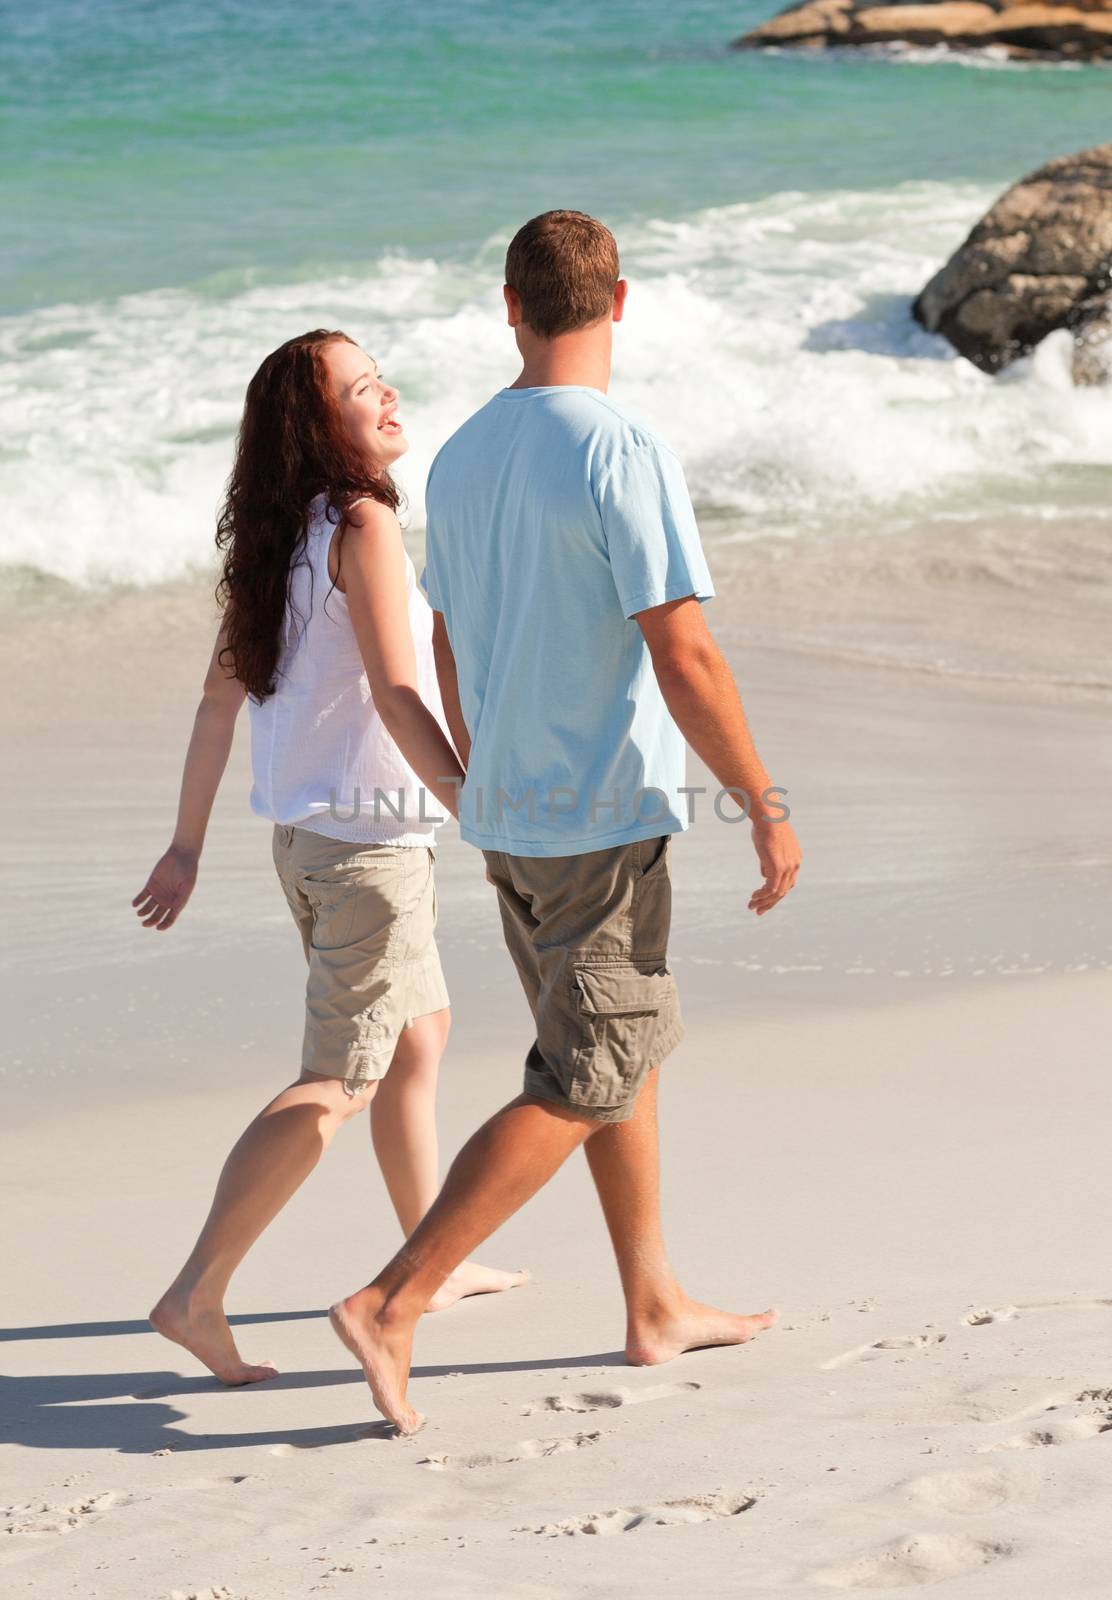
<point>327,635</point>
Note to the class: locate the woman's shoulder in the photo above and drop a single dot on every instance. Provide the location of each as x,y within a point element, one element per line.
<point>372,514</point>
<point>366,512</point>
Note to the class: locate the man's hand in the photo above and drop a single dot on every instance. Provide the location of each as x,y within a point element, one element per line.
<point>166,891</point>
<point>779,855</point>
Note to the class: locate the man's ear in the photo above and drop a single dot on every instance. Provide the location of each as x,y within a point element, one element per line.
<point>513,305</point>
<point>621,289</point>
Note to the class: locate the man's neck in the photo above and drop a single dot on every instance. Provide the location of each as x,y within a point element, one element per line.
<point>580,359</point>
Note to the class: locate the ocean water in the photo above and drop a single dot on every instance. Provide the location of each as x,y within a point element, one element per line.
<point>190,184</point>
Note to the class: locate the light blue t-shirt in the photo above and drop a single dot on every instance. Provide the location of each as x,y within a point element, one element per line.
<point>553,517</point>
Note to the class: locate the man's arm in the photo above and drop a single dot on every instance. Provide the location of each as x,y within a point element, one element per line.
<point>700,692</point>
<point>449,686</point>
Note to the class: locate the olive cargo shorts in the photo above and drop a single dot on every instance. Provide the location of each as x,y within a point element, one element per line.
<point>589,938</point>
<point>366,914</point>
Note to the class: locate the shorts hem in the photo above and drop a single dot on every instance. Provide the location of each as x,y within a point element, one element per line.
<point>662,1047</point>
<point>583,1113</point>
<point>428,990</point>
<point>353,1078</point>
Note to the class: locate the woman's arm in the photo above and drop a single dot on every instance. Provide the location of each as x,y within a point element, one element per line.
<point>171,882</point>
<point>372,575</point>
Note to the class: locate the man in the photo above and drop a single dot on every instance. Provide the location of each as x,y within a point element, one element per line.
<point>567,578</point>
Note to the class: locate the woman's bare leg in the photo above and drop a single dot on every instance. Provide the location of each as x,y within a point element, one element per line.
<point>268,1164</point>
<point>403,1128</point>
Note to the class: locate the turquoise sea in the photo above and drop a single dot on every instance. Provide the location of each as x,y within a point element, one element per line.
<point>188,184</point>
<point>194,143</point>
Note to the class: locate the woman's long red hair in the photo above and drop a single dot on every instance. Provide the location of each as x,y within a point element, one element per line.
<point>292,446</point>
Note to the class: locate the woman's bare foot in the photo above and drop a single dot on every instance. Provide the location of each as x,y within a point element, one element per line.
<point>383,1349</point>
<point>204,1332</point>
<point>470,1278</point>
<point>689,1326</point>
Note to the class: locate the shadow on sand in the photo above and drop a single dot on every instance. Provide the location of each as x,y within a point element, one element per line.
<point>122,1411</point>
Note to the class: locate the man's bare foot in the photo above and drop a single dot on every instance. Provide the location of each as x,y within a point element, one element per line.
<point>689,1326</point>
<point>204,1332</point>
<point>383,1350</point>
<point>470,1278</point>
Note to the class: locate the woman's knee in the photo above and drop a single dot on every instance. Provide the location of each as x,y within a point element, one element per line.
<point>340,1095</point>
<point>357,1097</point>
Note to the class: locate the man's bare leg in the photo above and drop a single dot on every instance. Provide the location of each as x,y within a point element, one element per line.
<point>497,1171</point>
<point>661,1322</point>
<point>269,1162</point>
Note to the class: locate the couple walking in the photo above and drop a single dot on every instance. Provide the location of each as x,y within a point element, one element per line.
<point>541,693</point>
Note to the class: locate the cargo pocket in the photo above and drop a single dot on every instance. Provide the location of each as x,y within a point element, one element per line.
<point>618,1007</point>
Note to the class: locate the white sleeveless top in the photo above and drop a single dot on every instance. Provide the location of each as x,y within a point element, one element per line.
<point>318,740</point>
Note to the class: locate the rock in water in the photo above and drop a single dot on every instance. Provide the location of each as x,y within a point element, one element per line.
<point>1040,259</point>
<point>1051,30</point>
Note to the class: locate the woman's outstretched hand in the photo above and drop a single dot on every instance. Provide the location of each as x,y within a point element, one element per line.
<point>167,889</point>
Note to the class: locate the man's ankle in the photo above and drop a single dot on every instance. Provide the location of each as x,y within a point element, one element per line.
<point>400,1304</point>
<point>655,1304</point>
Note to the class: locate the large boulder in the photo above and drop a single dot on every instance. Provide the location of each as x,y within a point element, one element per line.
<point>1040,259</point>
<point>1074,30</point>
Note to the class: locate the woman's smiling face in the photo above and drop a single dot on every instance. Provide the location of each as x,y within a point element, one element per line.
<point>368,405</point>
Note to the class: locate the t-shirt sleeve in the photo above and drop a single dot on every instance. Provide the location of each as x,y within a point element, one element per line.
<point>651,534</point>
<point>429,581</point>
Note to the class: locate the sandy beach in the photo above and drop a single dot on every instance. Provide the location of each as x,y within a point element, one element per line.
<point>888,1118</point>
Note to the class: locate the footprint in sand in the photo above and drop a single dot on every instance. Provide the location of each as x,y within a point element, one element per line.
<point>607,1399</point>
<point>882,1347</point>
<point>964,1492</point>
<point>1077,1417</point>
<point>234,1479</point>
<point>664,1514</point>
<point>527,1450</point>
<point>986,1314</point>
<point>36,1518</point>
<point>353,1433</point>
<point>219,1593</point>
<point>921,1558</point>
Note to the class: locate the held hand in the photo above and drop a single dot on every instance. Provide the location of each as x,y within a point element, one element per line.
<point>165,892</point>
<point>779,855</point>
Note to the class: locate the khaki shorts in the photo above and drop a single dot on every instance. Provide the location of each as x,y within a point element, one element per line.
<point>589,937</point>
<point>366,913</point>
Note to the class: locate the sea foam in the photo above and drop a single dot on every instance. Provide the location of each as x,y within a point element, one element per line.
<point>770,342</point>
